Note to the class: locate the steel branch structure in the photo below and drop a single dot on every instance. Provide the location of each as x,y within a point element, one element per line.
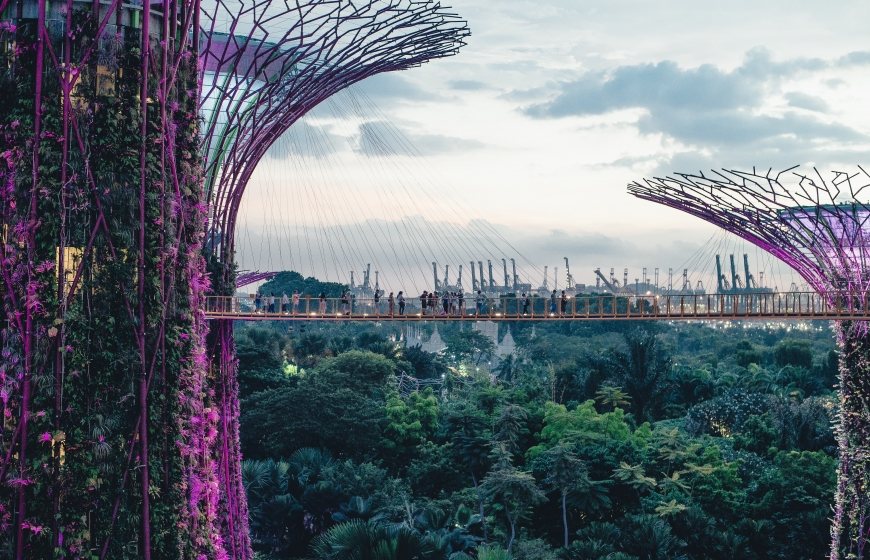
<point>247,278</point>
<point>818,225</point>
<point>266,63</point>
<point>263,65</point>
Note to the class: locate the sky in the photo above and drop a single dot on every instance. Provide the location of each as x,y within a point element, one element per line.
<point>521,145</point>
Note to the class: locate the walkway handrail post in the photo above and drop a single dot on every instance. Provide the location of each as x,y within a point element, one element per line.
<point>782,305</point>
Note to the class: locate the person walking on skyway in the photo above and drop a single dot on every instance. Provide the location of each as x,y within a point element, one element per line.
<point>345,302</point>
<point>322,303</point>
<point>564,303</point>
<point>553,303</point>
<point>526,303</point>
<point>295,302</point>
<point>378,301</point>
<point>401,298</point>
<point>391,303</point>
<point>478,300</point>
<point>285,303</point>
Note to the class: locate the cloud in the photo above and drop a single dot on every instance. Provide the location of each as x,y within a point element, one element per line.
<point>380,138</point>
<point>805,101</point>
<point>303,139</point>
<point>733,127</point>
<point>467,85</point>
<point>653,86</point>
<point>392,87</point>
<point>722,115</point>
<point>856,57</point>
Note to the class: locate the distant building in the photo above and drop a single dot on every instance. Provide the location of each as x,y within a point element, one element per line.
<point>435,344</point>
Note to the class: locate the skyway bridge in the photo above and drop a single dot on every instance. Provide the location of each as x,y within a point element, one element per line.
<point>598,307</point>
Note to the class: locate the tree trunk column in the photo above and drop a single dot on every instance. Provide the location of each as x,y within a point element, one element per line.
<point>234,504</point>
<point>850,526</point>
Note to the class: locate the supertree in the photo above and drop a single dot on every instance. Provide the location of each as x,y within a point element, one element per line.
<point>264,65</point>
<point>818,225</point>
<point>108,414</point>
<point>118,439</point>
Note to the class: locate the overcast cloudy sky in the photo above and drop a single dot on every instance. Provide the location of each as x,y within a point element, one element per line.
<point>538,124</point>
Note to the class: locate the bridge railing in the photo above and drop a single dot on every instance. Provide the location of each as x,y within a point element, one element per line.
<point>596,306</point>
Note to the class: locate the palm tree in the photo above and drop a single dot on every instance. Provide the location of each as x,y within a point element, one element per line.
<point>674,483</point>
<point>566,474</point>
<point>306,464</point>
<point>358,540</point>
<point>263,479</point>
<point>270,502</point>
<point>634,476</point>
<point>667,509</point>
<point>612,397</point>
<point>493,553</point>
<point>506,368</point>
<point>514,489</point>
<point>595,498</point>
<point>642,372</point>
<point>470,437</point>
<point>511,426</point>
<point>650,537</point>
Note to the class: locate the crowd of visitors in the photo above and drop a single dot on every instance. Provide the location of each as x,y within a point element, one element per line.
<point>432,304</point>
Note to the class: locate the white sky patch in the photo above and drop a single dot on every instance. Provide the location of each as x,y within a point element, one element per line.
<point>568,174</point>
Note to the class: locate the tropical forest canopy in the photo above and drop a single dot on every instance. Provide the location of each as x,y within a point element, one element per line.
<point>595,440</point>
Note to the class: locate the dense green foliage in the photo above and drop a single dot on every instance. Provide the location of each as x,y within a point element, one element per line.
<point>288,282</point>
<point>594,441</point>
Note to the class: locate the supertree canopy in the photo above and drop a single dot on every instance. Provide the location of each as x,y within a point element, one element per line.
<point>280,60</point>
<point>119,432</point>
<point>818,225</point>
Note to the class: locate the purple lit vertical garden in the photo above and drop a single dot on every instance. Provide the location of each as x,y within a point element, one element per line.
<point>127,135</point>
<point>817,223</point>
